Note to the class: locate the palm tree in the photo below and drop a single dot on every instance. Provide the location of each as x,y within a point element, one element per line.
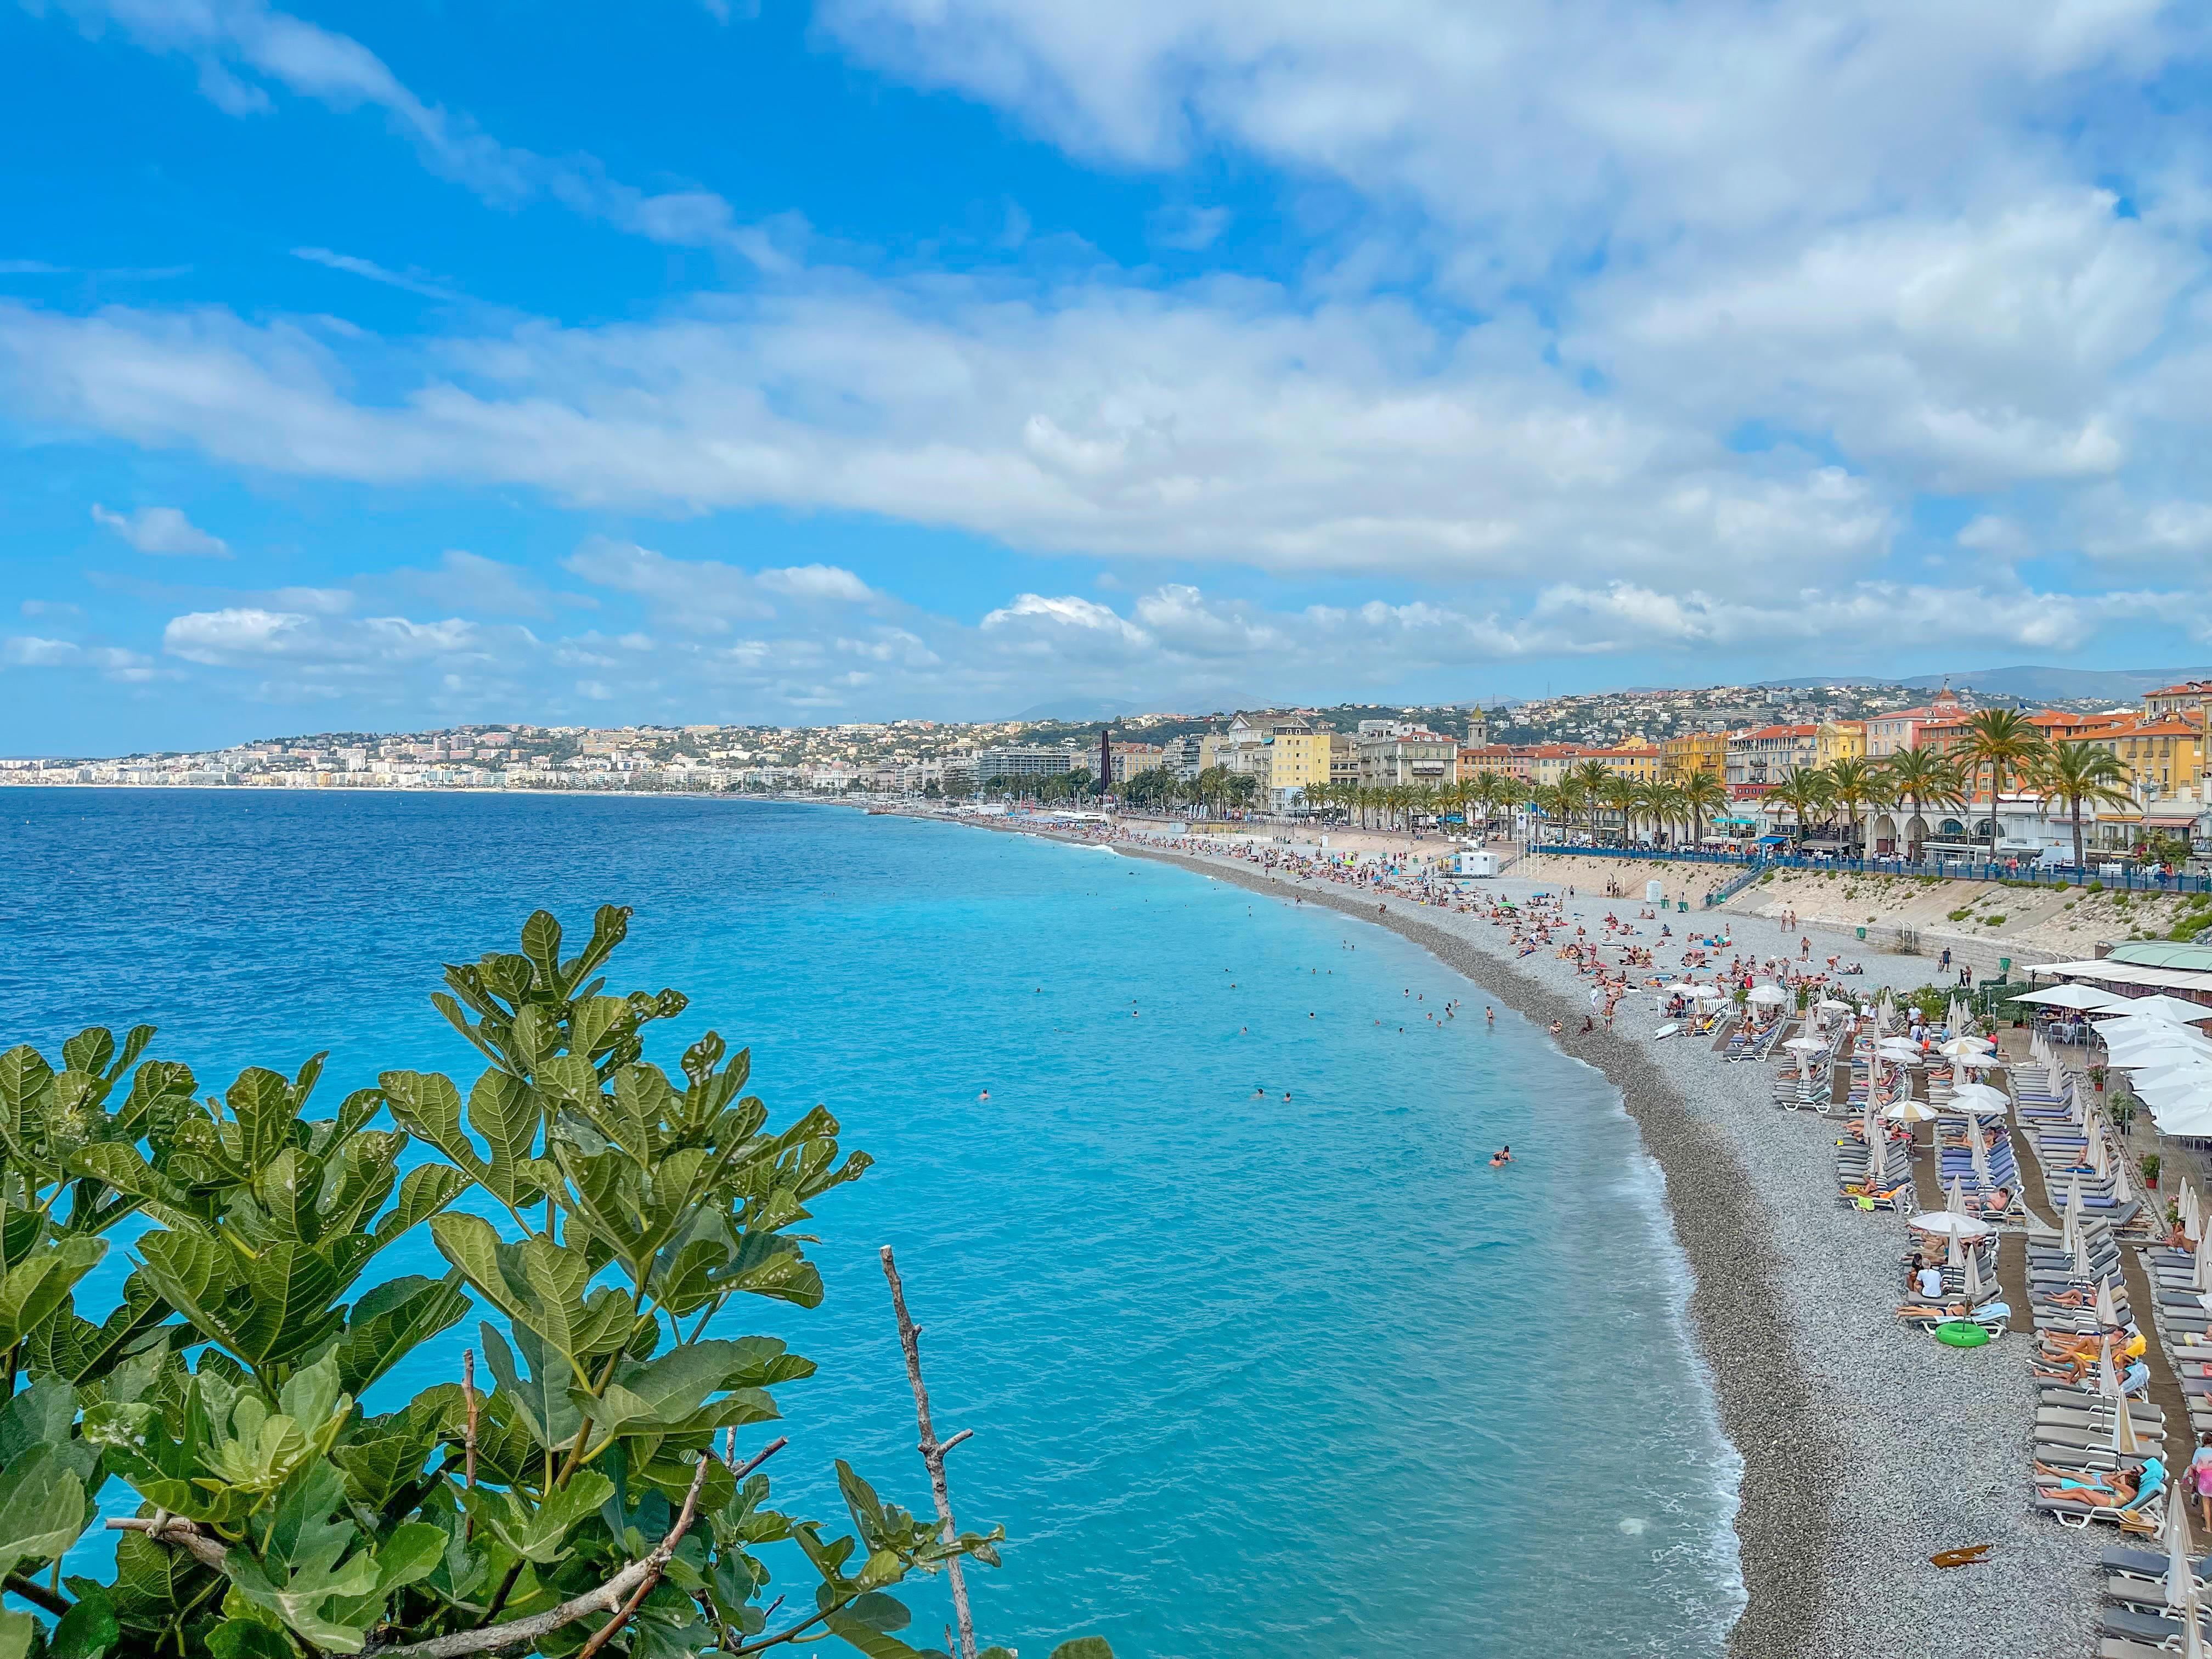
<point>2080,773</point>
<point>1482,790</point>
<point>1922,777</point>
<point>2007,743</point>
<point>1618,795</point>
<point>1850,785</point>
<point>1547,801</point>
<point>1702,796</point>
<point>1804,791</point>
<point>1591,777</point>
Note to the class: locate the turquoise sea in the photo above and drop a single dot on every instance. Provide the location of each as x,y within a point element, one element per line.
<point>1248,1374</point>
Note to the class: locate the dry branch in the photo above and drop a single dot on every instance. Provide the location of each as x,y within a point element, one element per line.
<point>933,1453</point>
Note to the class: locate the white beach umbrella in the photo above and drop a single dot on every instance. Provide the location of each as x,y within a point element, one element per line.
<point>2180,1562</point>
<point>1954,1201</point>
<point>2162,1006</point>
<point>1807,1045</point>
<point>2202,1261</point>
<point>2080,1267</point>
<point>2125,1442</point>
<point>1710,993</point>
<point>2108,1380</point>
<point>1908,1111</point>
<point>2101,1160</point>
<point>1767,996</point>
<point>1975,1062</point>
<point>1975,1283</point>
<point>1829,1005</point>
<point>1978,1154</point>
<point>1978,1100</point>
<point>1965,1045</point>
<point>2124,1192</point>
<point>1943,1221</point>
<point>2080,998</point>
<point>2192,1630</point>
<point>2108,1313</point>
<point>1954,1252</point>
<point>1681,989</point>
<point>2192,1219</point>
<point>2071,1221</point>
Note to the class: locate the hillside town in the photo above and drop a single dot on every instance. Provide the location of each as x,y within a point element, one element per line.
<point>1844,769</point>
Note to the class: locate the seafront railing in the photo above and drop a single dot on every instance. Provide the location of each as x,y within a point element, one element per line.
<point>2128,879</point>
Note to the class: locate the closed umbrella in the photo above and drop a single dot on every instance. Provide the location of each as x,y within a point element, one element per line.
<point>2203,1259</point>
<point>2071,1222</point>
<point>2124,1192</point>
<point>2180,1559</point>
<point>2108,1313</point>
<point>1974,1283</point>
<point>2192,1633</point>
<point>1954,1201</point>
<point>2080,1269</point>
<point>1979,1154</point>
<point>2101,1160</point>
<point>2108,1382</point>
<point>2124,1441</point>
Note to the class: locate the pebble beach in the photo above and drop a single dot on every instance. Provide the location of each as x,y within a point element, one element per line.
<point>1866,1448</point>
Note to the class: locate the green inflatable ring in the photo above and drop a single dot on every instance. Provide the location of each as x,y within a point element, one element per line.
<point>1962,1333</point>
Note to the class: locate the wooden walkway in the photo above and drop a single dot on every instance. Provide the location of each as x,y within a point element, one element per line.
<point>2165,1388</point>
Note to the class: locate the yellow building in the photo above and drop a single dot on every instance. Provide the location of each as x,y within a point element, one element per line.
<point>1698,752</point>
<point>1638,762</point>
<point>1838,740</point>
<point>1297,762</point>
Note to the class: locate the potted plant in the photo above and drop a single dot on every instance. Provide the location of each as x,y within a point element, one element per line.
<point>2097,1078</point>
<point>2149,1166</point>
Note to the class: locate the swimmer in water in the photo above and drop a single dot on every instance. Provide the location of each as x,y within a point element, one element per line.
<point>984,1096</point>
<point>1501,1157</point>
<point>1489,1014</point>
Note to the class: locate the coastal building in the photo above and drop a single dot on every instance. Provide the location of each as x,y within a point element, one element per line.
<point>1693,752</point>
<point>1766,755</point>
<point>1298,761</point>
<point>1548,763</point>
<point>2189,698</point>
<point>1020,760</point>
<point>1477,729</point>
<point>1393,752</point>
<point>1636,760</point>
<point>1497,757</point>
<point>1180,757</point>
<point>1131,758</point>
<point>1835,740</point>
<point>1899,729</point>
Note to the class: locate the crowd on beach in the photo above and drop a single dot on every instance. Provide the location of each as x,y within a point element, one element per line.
<point>1936,1129</point>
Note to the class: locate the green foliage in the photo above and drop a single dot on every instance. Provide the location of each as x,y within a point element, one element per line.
<point>601,1212</point>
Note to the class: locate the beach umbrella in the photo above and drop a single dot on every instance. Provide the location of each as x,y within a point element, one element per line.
<point>2108,1314</point>
<point>1681,989</point>
<point>1974,1283</point>
<point>1908,1111</point>
<point>2108,1382</point>
<point>2125,1442</point>
<point>2181,1563</point>
<point>1954,1201</point>
<point>2162,1006</point>
<point>1978,1154</point>
<point>2071,1222</point>
<point>2192,1633</point>
<point>2078,996</point>
<point>2202,1262</point>
<point>2124,1192</point>
<point>1975,1062</point>
<point>2192,1220</point>
<point>1829,1005</point>
<point>1807,1045</point>
<point>1767,995</point>
<point>1943,1222</point>
<point>1965,1045</point>
<point>2080,1269</point>
<point>2099,1159</point>
<point>1978,1100</point>
<point>1954,1252</point>
<point>1710,993</point>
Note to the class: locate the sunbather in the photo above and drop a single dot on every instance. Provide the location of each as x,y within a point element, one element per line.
<point>2100,1491</point>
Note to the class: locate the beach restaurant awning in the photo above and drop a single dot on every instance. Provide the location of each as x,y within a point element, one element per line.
<point>2106,971</point>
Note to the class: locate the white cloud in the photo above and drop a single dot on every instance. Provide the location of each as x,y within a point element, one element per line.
<point>411,281</point>
<point>245,633</point>
<point>163,530</point>
<point>1217,421</point>
<point>241,48</point>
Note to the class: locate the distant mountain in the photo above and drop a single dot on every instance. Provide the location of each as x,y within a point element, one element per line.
<point>1078,711</point>
<point>2120,684</point>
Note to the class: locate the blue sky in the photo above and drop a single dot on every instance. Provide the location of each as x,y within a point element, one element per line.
<point>406,364</point>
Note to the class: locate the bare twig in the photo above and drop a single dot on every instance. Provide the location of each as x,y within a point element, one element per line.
<point>469,1395</point>
<point>38,1595</point>
<point>932,1453</point>
<point>655,1563</point>
<point>178,1533</point>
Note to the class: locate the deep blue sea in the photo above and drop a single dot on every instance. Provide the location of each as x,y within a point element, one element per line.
<point>1247,1373</point>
